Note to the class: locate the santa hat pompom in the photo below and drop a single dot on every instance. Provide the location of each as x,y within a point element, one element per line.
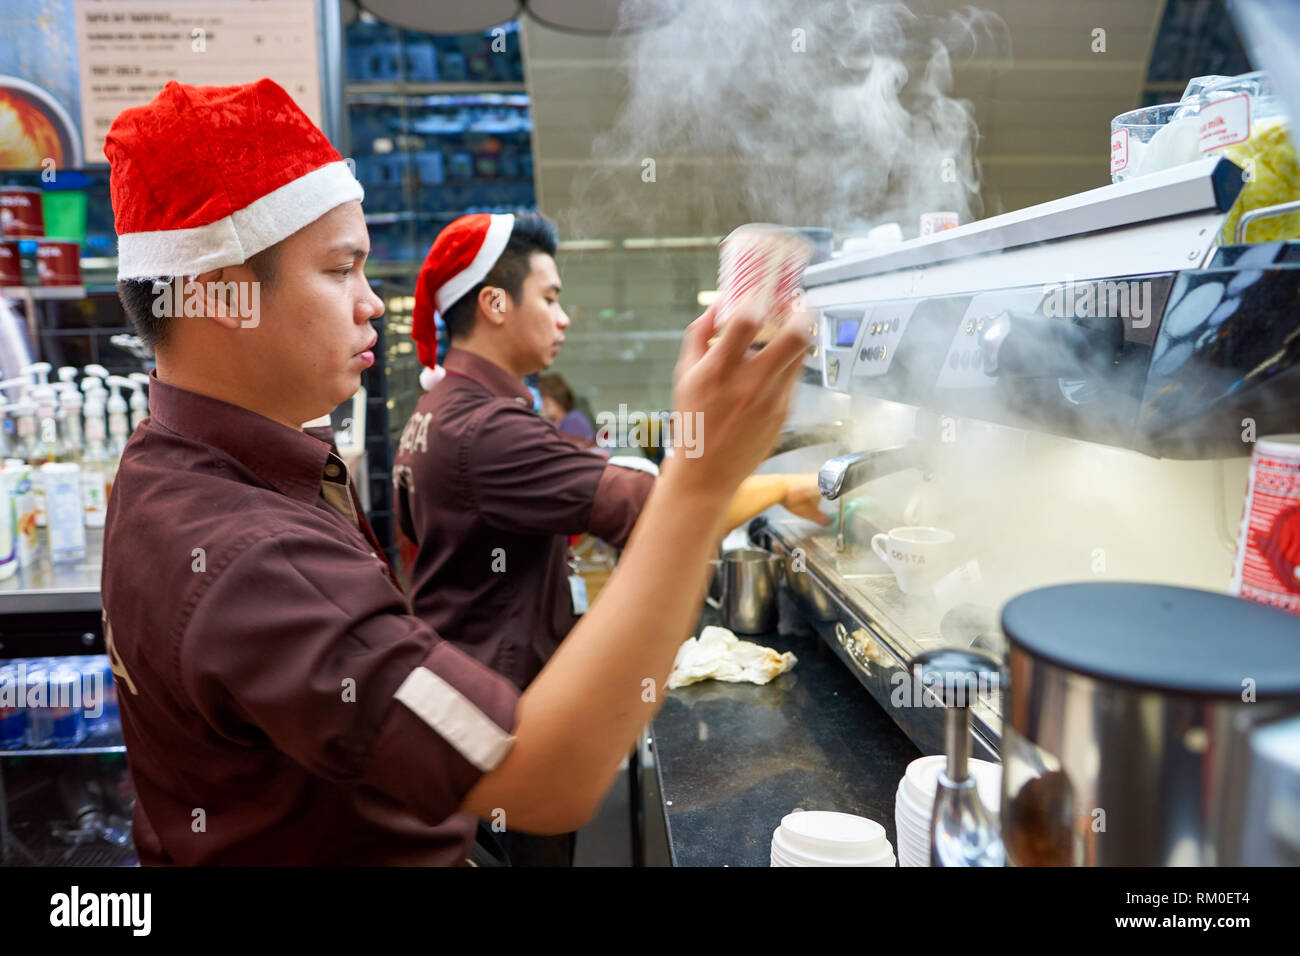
<point>430,377</point>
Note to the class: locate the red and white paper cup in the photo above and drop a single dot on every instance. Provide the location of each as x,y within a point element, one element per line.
<point>58,262</point>
<point>21,212</point>
<point>760,269</point>
<point>933,222</point>
<point>1267,569</point>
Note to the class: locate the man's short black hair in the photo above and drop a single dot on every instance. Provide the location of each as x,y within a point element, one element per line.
<point>138,296</point>
<point>532,232</point>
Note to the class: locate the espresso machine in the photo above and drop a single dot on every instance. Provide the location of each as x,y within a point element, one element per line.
<point>1068,394</point>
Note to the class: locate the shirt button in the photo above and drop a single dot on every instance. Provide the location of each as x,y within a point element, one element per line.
<point>332,470</point>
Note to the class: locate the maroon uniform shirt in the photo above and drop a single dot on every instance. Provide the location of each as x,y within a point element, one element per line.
<point>280,703</point>
<point>489,491</point>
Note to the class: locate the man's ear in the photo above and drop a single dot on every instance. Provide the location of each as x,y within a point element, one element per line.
<point>493,303</point>
<point>219,294</point>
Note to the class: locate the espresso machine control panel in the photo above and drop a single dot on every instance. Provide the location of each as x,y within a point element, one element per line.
<point>839,330</point>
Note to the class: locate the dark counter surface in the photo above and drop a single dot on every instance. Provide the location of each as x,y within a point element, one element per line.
<point>733,759</point>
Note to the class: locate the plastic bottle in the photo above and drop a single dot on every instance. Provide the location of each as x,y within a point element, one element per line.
<point>24,445</point>
<point>139,398</point>
<point>96,463</point>
<point>118,429</point>
<point>8,525</point>
<point>47,447</point>
<point>18,483</point>
<point>67,375</point>
<point>70,403</point>
<point>119,426</point>
<point>66,517</point>
<point>9,432</point>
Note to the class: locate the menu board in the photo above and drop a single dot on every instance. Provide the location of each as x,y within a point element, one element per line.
<point>130,49</point>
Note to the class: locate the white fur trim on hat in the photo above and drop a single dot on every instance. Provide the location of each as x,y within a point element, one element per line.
<point>241,235</point>
<point>430,377</point>
<point>494,243</point>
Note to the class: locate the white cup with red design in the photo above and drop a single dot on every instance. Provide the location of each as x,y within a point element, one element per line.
<point>1267,568</point>
<point>760,270</point>
<point>917,554</point>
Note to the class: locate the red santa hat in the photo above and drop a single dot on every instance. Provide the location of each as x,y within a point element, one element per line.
<point>204,177</point>
<point>459,259</point>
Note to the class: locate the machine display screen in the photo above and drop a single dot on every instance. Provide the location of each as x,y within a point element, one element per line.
<point>846,332</point>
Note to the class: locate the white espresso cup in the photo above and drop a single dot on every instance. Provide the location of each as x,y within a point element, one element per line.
<point>917,555</point>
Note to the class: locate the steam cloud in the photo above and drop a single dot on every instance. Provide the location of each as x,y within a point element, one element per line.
<point>805,112</point>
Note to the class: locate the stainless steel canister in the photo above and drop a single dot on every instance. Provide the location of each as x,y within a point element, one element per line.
<point>1130,727</point>
<point>748,580</point>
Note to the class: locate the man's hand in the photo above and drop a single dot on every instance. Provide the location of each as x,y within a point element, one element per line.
<point>803,498</point>
<point>737,400</point>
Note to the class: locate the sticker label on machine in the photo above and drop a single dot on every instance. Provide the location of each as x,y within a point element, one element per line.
<point>985,323</point>
<point>883,325</point>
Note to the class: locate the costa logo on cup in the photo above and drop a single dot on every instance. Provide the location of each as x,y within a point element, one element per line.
<point>918,556</point>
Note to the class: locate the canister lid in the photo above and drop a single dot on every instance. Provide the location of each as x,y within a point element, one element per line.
<point>1166,638</point>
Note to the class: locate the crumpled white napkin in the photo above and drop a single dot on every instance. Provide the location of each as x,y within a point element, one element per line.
<point>717,654</point>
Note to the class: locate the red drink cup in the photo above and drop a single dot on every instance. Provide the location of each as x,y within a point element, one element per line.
<point>21,213</point>
<point>58,262</point>
<point>760,269</point>
<point>1267,569</point>
<point>11,267</point>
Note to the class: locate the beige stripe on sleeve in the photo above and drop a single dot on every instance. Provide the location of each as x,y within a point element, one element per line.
<point>455,718</point>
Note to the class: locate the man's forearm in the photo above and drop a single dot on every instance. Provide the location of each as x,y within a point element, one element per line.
<point>581,715</point>
<point>755,495</point>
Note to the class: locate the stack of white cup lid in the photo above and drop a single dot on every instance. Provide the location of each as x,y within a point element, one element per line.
<point>826,838</point>
<point>914,803</point>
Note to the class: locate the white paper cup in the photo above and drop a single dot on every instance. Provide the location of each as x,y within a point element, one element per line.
<point>917,554</point>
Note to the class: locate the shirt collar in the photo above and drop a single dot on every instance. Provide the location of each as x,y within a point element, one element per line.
<point>291,461</point>
<point>488,374</point>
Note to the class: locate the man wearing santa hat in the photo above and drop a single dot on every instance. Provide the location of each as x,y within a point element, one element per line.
<point>280,702</point>
<point>487,490</point>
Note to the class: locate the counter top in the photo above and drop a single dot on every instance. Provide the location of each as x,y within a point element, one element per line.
<point>733,759</point>
<point>48,587</point>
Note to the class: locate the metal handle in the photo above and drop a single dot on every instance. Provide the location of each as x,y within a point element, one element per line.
<point>956,675</point>
<point>1263,212</point>
<point>709,599</point>
<point>961,830</point>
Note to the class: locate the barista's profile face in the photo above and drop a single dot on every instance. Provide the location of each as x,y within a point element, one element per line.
<point>314,337</point>
<point>536,322</point>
